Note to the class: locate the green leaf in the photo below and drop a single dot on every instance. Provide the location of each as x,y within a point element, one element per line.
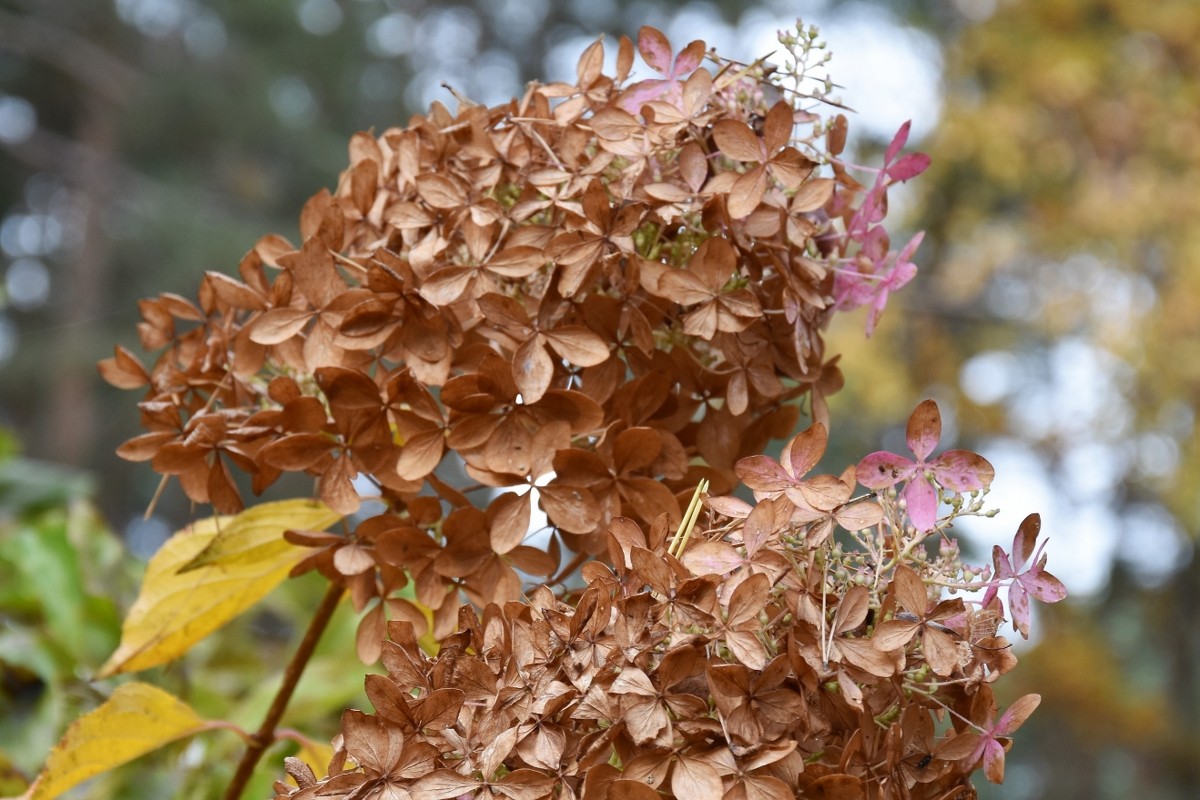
<point>51,570</point>
<point>28,485</point>
<point>135,720</point>
<point>206,575</point>
<point>11,781</point>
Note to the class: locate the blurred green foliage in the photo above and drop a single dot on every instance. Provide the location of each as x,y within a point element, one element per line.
<point>65,582</point>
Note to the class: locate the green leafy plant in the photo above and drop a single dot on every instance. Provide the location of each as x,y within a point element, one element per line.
<point>63,578</point>
<point>602,302</point>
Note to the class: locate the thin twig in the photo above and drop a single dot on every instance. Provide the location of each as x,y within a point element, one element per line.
<point>684,532</point>
<point>264,737</point>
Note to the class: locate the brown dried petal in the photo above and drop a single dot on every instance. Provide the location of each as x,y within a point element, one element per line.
<point>337,490</point>
<point>533,369</point>
<point>857,516</point>
<point>909,590</point>
<point>814,194</point>
<point>578,345</point>
<point>312,267</point>
<point>894,634</point>
<point>234,293</point>
<point>124,370</point>
<point>420,454</point>
<point>747,192</point>
<point>791,168</point>
<point>509,516</point>
<point>940,649</point>
<point>353,559</point>
<point>695,779</point>
<point>441,191</point>
<point>145,446</point>
<point>836,787</point>
<point>279,325</point>
<point>736,140</point>
<point>571,508</point>
<point>297,452</point>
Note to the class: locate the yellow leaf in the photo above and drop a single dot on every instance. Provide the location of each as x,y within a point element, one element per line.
<point>430,644</point>
<point>207,574</point>
<point>136,719</point>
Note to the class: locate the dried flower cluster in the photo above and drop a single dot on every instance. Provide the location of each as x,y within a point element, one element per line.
<point>611,294</point>
<point>756,657</point>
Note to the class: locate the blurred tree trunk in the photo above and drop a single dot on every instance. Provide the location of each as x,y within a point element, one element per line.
<point>1184,594</point>
<point>84,152</point>
<point>73,418</point>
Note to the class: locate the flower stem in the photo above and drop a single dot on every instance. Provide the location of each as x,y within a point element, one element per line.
<point>264,737</point>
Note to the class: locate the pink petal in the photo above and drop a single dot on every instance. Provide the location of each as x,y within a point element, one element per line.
<point>1018,607</point>
<point>1004,568</point>
<point>908,167</point>
<point>901,274</point>
<point>872,211</point>
<point>993,761</point>
<point>874,245</point>
<point>1016,714</point>
<point>655,49</point>
<point>962,470</point>
<point>922,503</point>
<point>689,59</point>
<point>877,306</point>
<point>762,473</point>
<point>882,469</point>
<point>907,252</point>
<point>852,290</point>
<point>642,92</point>
<point>1043,585</point>
<point>989,595</point>
<point>898,141</point>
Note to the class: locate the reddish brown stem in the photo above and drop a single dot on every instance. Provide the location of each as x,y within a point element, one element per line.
<point>264,737</point>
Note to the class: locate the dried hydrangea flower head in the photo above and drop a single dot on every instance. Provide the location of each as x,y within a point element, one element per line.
<point>611,293</point>
<point>751,656</point>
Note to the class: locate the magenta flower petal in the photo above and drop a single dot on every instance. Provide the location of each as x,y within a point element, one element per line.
<point>643,92</point>
<point>1018,607</point>
<point>993,760</point>
<point>688,61</point>
<point>922,503</point>
<point>655,49</point>
<point>897,143</point>
<point>882,469</point>
<point>1042,584</point>
<point>962,470</point>
<point>908,167</point>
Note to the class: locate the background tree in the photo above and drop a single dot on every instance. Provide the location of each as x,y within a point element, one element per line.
<point>1059,306</point>
<point>143,141</point>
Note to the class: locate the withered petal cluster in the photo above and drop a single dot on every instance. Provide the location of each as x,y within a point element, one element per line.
<point>611,305</point>
<point>691,677</point>
<point>609,295</point>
